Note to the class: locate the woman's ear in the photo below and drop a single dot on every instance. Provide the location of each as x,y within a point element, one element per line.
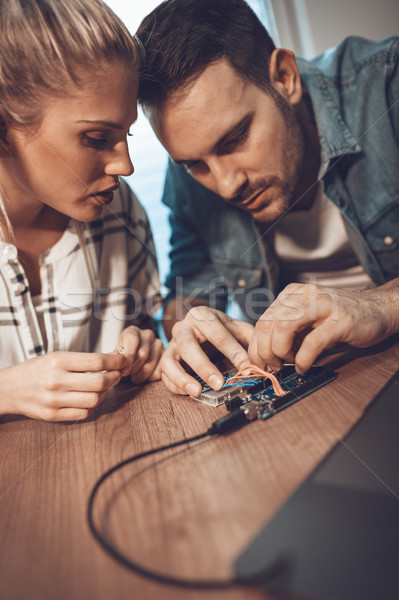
<point>284,75</point>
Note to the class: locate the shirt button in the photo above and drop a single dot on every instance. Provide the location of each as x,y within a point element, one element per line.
<point>388,240</point>
<point>241,283</point>
<point>20,287</point>
<point>10,252</point>
<point>341,203</point>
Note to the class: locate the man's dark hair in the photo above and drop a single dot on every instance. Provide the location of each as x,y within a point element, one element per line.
<point>181,38</point>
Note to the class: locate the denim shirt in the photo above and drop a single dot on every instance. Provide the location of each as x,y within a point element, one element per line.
<point>354,89</point>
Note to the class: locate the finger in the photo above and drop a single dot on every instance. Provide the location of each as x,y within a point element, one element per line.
<point>62,414</point>
<point>241,330</point>
<point>282,340</point>
<point>264,358</point>
<point>313,344</point>
<point>179,381</point>
<point>72,401</point>
<point>253,352</point>
<point>216,333</point>
<point>140,361</point>
<point>76,400</point>
<point>195,357</point>
<point>129,340</point>
<point>148,368</point>
<point>85,400</point>
<point>260,347</point>
<point>156,375</point>
<point>80,362</point>
<point>172,387</point>
<point>70,414</point>
<point>128,345</point>
<point>89,382</point>
<point>276,333</point>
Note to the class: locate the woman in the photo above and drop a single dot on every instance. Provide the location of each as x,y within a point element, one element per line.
<point>77,261</point>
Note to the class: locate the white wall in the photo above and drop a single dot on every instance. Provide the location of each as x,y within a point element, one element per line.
<point>310,26</point>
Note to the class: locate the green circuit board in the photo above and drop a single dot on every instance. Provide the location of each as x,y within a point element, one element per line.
<point>258,395</point>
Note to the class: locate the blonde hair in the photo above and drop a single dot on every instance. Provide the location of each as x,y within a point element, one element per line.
<point>47,44</point>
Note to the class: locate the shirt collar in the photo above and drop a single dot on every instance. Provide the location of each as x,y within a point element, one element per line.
<point>65,245</point>
<point>335,137</point>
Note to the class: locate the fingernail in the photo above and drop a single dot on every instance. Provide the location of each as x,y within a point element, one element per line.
<point>192,389</point>
<point>216,381</point>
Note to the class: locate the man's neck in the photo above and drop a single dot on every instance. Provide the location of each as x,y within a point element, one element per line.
<point>308,185</point>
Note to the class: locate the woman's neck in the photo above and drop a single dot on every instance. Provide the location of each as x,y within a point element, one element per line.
<point>33,233</point>
<point>35,227</point>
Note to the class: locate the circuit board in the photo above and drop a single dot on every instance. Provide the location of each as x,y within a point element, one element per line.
<point>258,400</point>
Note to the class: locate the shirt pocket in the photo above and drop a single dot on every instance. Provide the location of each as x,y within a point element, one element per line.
<point>382,236</point>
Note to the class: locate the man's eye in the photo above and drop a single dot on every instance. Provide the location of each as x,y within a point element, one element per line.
<point>235,141</point>
<point>94,142</point>
<point>191,165</point>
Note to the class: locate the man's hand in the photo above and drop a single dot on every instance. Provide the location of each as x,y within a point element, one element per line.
<point>306,319</point>
<point>200,325</point>
<point>142,352</point>
<point>176,309</point>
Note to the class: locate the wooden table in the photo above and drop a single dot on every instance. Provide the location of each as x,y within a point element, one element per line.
<point>189,515</point>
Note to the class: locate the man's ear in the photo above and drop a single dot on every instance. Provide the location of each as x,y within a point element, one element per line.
<point>4,146</point>
<point>284,75</point>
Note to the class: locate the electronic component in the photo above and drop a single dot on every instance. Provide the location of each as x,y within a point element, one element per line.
<point>296,387</point>
<point>256,396</point>
<point>233,403</point>
<point>227,392</point>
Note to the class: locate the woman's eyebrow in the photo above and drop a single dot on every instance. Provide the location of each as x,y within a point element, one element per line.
<point>101,123</point>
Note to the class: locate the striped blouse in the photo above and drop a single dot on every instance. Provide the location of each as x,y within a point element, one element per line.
<point>97,279</point>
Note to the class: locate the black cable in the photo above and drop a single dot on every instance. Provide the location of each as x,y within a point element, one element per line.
<point>224,425</point>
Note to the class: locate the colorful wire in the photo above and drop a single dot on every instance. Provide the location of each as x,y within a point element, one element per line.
<point>246,372</point>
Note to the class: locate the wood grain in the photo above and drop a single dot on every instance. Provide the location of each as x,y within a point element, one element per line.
<point>187,515</point>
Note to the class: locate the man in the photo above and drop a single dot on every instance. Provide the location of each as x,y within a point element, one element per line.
<point>283,171</point>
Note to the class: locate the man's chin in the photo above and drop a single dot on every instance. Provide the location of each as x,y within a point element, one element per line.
<point>269,213</point>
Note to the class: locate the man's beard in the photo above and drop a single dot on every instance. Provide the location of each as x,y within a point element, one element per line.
<point>279,199</point>
<point>283,191</point>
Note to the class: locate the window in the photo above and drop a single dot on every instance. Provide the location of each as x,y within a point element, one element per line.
<point>149,158</point>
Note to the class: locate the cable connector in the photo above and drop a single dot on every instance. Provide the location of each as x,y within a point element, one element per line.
<point>230,422</point>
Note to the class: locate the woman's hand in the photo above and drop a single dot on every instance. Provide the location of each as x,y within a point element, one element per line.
<point>142,351</point>
<point>61,386</point>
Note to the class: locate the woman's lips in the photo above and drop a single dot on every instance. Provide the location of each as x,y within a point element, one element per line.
<point>103,198</point>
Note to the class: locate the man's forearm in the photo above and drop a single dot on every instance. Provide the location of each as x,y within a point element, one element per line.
<point>387,296</point>
<point>176,310</point>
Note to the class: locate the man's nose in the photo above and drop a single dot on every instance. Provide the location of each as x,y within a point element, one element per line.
<point>229,178</point>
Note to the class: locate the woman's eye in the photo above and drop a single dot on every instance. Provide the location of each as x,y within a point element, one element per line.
<point>94,142</point>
